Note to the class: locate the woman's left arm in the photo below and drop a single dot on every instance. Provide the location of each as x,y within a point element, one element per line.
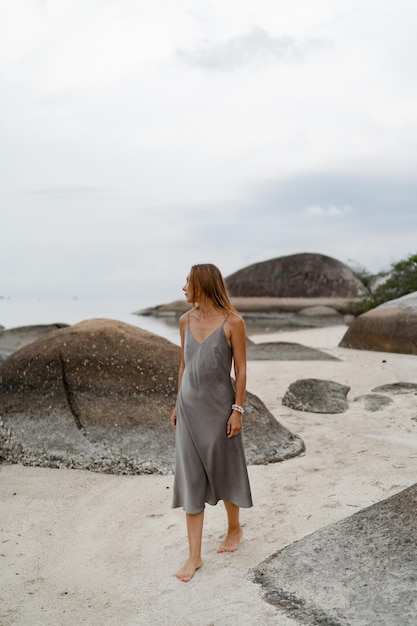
<point>238,343</point>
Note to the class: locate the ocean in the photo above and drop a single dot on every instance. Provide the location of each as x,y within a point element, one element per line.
<point>15,312</point>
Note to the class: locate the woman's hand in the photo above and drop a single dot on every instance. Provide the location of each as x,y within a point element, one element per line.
<point>173,418</point>
<point>234,424</point>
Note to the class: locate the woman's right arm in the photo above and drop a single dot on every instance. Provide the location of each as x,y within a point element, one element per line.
<point>183,325</point>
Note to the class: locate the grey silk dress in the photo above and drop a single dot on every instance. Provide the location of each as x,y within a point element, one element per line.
<point>209,466</point>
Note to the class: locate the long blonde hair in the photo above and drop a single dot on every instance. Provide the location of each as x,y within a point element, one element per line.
<point>206,280</point>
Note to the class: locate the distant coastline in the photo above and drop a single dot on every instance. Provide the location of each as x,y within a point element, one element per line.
<point>265,314</point>
<point>257,305</point>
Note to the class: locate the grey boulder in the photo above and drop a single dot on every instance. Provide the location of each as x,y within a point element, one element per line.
<point>284,351</point>
<point>360,571</point>
<point>317,396</point>
<point>320,311</point>
<point>374,402</point>
<point>305,275</point>
<point>397,388</point>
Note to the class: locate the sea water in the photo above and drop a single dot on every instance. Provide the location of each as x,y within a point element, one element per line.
<point>15,312</point>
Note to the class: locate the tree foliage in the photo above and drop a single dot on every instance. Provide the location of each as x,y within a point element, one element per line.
<point>402,280</point>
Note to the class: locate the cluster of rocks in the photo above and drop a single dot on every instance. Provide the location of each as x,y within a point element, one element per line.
<point>98,395</point>
<point>313,289</point>
<point>327,396</point>
<point>304,286</point>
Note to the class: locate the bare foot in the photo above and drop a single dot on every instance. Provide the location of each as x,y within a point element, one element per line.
<point>188,570</point>
<point>232,541</point>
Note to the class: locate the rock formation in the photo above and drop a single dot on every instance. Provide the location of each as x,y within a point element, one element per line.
<point>390,327</point>
<point>359,571</point>
<point>373,401</point>
<point>99,394</point>
<point>327,396</point>
<point>396,388</point>
<point>284,351</point>
<point>304,275</point>
<point>317,396</point>
<point>321,311</point>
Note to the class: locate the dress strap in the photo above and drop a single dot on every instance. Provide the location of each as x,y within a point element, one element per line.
<point>225,319</point>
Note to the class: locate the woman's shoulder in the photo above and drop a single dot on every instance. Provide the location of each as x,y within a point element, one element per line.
<point>184,319</point>
<point>235,321</point>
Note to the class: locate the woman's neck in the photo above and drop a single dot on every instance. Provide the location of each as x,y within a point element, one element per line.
<point>206,310</point>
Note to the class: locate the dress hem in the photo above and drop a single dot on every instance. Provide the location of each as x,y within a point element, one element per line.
<point>241,506</point>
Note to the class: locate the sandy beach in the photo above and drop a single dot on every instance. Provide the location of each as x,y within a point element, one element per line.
<point>83,548</point>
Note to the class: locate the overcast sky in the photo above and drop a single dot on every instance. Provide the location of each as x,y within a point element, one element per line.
<point>141,136</point>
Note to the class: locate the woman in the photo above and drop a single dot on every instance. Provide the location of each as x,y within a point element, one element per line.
<point>210,462</point>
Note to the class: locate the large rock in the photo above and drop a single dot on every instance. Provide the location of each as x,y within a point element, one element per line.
<point>296,276</point>
<point>98,395</point>
<point>407,302</point>
<point>373,401</point>
<point>320,311</point>
<point>360,571</point>
<point>284,351</point>
<point>391,327</point>
<point>317,396</point>
<point>397,388</point>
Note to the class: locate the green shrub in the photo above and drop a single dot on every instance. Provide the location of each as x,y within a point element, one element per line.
<point>403,280</point>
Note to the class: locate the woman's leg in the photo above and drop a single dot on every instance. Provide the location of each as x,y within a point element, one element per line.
<point>195,536</point>
<point>234,529</point>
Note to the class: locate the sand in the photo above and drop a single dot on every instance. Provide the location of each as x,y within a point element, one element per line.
<point>83,548</point>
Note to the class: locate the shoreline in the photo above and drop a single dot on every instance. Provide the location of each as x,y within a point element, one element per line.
<point>258,305</point>
<point>268,315</point>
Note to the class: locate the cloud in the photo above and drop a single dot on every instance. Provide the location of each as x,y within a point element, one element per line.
<point>370,218</point>
<point>253,48</point>
<point>118,161</point>
<point>380,196</point>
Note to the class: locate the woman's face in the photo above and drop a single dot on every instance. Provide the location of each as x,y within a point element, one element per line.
<point>187,290</point>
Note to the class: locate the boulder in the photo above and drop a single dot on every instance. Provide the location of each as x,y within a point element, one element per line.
<point>284,351</point>
<point>98,395</point>
<point>171,309</point>
<point>317,396</point>
<point>373,401</point>
<point>359,571</point>
<point>296,276</point>
<point>407,302</point>
<point>266,440</point>
<point>396,388</point>
<point>390,327</point>
<point>320,311</point>
<point>13,339</point>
